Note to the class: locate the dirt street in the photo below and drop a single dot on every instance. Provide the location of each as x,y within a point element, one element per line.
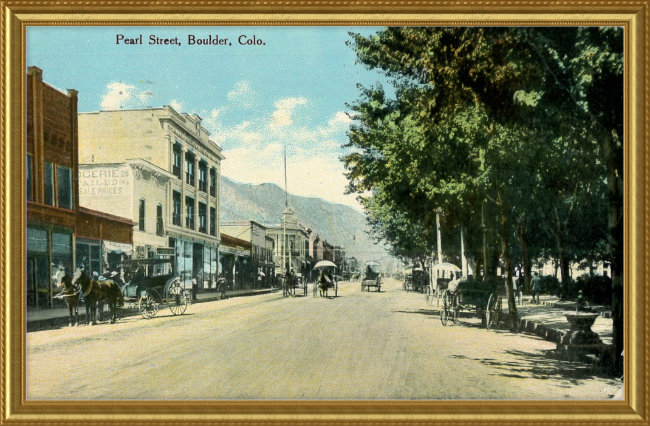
<point>368,345</point>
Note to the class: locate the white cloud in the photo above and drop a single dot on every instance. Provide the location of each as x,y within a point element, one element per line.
<point>283,115</point>
<point>120,95</point>
<point>243,95</point>
<point>178,106</point>
<point>339,120</point>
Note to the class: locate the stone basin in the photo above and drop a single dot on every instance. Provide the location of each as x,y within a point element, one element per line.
<point>581,321</point>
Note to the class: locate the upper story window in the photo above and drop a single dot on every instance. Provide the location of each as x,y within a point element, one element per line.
<point>203,218</point>
<point>30,177</point>
<point>142,210</point>
<point>49,184</point>
<point>189,168</point>
<point>189,212</point>
<point>176,217</point>
<point>213,221</point>
<point>64,187</point>
<point>178,160</point>
<point>203,176</point>
<point>159,220</point>
<point>213,182</point>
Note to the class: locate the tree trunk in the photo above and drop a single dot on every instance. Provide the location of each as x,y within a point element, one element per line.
<point>614,159</point>
<point>564,266</point>
<point>526,257</point>
<point>512,306</point>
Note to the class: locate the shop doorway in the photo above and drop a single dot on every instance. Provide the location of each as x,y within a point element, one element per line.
<point>38,282</point>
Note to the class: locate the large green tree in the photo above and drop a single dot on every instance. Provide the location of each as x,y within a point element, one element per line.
<point>495,113</point>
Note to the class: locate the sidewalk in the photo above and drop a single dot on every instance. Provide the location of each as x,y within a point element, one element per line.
<point>547,321</point>
<point>42,319</point>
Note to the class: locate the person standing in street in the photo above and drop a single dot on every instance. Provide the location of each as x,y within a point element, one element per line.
<point>536,287</point>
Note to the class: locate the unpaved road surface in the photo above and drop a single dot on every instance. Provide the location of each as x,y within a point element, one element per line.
<point>368,345</point>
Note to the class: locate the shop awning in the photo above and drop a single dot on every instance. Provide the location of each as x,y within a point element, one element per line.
<point>120,248</point>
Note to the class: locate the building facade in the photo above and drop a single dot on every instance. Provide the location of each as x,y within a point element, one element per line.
<point>58,230</point>
<point>295,248</point>
<point>235,262</point>
<point>181,165</point>
<point>262,265</point>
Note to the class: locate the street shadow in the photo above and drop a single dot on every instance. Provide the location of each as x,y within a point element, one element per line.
<point>426,312</point>
<point>540,364</point>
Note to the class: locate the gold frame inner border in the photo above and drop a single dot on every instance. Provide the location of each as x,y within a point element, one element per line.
<point>17,15</point>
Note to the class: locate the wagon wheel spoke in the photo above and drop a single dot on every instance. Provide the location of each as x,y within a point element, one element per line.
<point>177,300</point>
<point>444,310</point>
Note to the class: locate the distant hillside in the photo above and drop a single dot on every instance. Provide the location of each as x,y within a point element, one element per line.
<point>337,223</point>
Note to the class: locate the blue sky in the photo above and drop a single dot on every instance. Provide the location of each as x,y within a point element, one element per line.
<point>253,99</point>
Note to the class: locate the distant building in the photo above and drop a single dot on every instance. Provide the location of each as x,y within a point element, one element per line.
<point>235,261</point>
<point>173,170</point>
<point>59,232</point>
<point>261,256</point>
<point>296,249</point>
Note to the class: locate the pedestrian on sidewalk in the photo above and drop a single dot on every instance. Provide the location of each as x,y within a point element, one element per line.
<point>536,287</point>
<point>195,286</point>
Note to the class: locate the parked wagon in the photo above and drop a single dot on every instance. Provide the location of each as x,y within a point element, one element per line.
<point>484,298</point>
<point>372,276</point>
<point>154,284</point>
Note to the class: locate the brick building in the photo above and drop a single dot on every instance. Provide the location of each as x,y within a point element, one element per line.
<point>53,215</point>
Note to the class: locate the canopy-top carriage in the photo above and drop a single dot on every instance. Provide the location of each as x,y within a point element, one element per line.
<point>326,283</point>
<point>153,283</point>
<point>441,275</point>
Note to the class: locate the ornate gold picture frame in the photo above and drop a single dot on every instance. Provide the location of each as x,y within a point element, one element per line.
<point>17,15</point>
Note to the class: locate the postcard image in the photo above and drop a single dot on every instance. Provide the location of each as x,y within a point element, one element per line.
<point>324,213</point>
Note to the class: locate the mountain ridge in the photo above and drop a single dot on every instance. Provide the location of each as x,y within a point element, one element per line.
<point>338,224</point>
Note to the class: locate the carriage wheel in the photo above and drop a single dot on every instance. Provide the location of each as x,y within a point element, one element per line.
<point>148,306</point>
<point>455,308</point>
<point>444,311</point>
<point>177,300</point>
<point>492,311</point>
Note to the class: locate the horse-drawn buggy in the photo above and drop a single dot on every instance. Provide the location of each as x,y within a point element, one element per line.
<point>153,284</point>
<point>291,282</point>
<point>372,276</point>
<point>483,297</point>
<point>326,279</point>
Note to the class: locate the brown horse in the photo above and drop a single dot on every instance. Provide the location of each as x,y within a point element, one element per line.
<point>98,291</point>
<point>70,293</point>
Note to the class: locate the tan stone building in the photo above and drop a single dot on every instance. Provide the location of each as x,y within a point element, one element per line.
<point>175,168</point>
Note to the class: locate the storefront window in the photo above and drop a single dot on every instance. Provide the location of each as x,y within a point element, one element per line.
<point>89,256</point>
<point>30,178</point>
<point>64,187</point>
<point>36,241</point>
<point>49,184</point>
